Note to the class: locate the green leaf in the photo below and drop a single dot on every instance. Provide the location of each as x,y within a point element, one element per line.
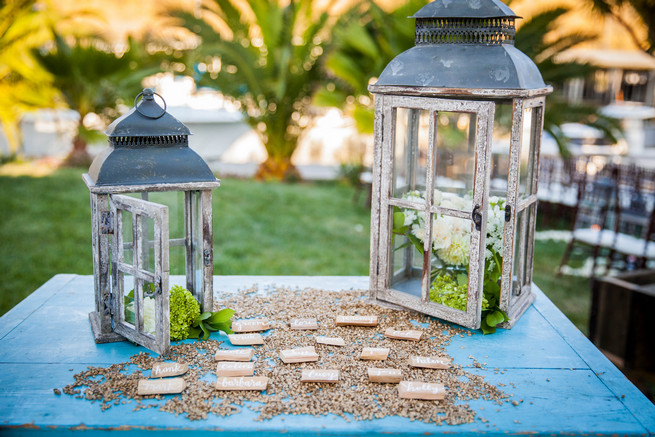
<point>486,329</point>
<point>398,220</point>
<point>494,318</point>
<point>222,326</point>
<point>194,332</point>
<point>205,331</point>
<point>462,279</point>
<point>204,316</point>
<point>223,315</point>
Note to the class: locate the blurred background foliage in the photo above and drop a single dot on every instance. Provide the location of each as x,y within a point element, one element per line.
<point>274,59</point>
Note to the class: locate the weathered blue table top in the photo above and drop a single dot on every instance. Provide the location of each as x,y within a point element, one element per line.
<point>567,385</point>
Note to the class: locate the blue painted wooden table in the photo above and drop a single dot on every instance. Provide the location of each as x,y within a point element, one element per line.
<point>568,386</point>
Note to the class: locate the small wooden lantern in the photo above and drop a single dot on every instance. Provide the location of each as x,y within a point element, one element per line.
<point>148,155</point>
<point>445,240</point>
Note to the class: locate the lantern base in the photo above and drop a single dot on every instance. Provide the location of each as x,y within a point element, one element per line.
<point>98,335</point>
<point>519,307</point>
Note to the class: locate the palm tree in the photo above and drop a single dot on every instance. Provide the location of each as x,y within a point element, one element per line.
<point>267,53</point>
<point>366,39</point>
<point>646,11</point>
<point>23,85</point>
<point>91,78</point>
<point>530,40</point>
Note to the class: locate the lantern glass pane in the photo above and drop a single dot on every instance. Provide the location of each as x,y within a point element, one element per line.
<point>410,151</point>
<point>148,245</point>
<point>197,244</point>
<point>406,261</point>
<point>501,150</point>
<point>523,250</point>
<point>528,152</point>
<point>128,238</point>
<point>455,157</point>
<point>450,257</point>
<point>174,200</point>
<point>126,283</point>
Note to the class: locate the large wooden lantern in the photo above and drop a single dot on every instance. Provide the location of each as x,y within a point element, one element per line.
<point>151,198</point>
<point>452,230</point>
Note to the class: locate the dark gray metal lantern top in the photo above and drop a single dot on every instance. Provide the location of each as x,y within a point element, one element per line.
<point>463,44</point>
<point>148,146</point>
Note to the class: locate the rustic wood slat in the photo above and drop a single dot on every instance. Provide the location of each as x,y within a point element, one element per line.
<point>234,354</point>
<point>421,390</point>
<point>147,387</point>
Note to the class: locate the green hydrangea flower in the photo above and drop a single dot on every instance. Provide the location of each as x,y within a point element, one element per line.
<point>184,309</point>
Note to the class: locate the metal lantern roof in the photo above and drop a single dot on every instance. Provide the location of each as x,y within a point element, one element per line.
<point>148,146</point>
<point>463,44</point>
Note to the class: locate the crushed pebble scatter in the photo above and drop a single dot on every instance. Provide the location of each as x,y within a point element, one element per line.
<point>353,397</point>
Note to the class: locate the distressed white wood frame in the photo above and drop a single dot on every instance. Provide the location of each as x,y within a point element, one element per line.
<point>140,209</point>
<point>383,201</point>
<point>513,301</point>
<point>199,249</point>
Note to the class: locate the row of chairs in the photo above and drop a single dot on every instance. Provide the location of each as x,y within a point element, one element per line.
<point>613,215</point>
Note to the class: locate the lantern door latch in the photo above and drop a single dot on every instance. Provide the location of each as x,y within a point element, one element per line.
<point>207,257</point>
<point>106,222</point>
<point>477,217</point>
<point>508,213</point>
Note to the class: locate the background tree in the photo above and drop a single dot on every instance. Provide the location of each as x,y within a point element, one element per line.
<point>368,38</point>
<point>531,39</point>
<point>365,40</point>
<point>92,78</point>
<point>645,9</point>
<point>264,55</point>
<point>23,85</point>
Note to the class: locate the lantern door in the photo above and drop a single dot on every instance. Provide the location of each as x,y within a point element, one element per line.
<point>432,178</point>
<point>140,272</point>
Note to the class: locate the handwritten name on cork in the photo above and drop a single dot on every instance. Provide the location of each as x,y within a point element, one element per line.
<point>376,374</point>
<point>374,353</point>
<point>357,321</point>
<point>234,368</point>
<point>256,383</point>
<point>234,355</point>
<point>331,341</point>
<point>421,390</point>
<point>160,386</point>
<point>410,334</point>
<point>162,370</point>
<point>299,355</point>
<point>320,375</point>
<point>253,325</point>
<point>245,339</point>
<point>308,323</point>
<point>430,362</point>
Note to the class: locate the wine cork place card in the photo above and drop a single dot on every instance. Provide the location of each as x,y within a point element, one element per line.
<point>252,325</point>
<point>320,375</point>
<point>234,355</point>
<point>357,321</point>
<point>430,362</point>
<point>410,334</point>
<point>374,353</point>
<point>162,370</point>
<point>235,368</point>
<point>256,383</point>
<point>331,341</point>
<point>299,355</point>
<point>245,339</point>
<point>308,323</point>
<point>421,390</point>
<point>376,374</point>
<point>160,386</point>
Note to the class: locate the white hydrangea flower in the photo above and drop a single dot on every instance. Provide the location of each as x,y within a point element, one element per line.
<point>410,217</point>
<point>148,314</point>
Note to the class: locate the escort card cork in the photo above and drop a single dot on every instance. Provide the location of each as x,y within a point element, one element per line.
<point>445,240</point>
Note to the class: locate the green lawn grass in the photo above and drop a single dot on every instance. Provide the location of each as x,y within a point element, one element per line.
<point>259,229</point>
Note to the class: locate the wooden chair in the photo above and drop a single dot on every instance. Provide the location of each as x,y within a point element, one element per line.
<point>595,215</point>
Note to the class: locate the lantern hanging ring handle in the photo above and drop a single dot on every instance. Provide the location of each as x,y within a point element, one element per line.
<point>149,94</point>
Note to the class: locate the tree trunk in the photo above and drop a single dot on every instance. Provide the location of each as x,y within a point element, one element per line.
<point>79,156</point>
<point>280,169</point>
